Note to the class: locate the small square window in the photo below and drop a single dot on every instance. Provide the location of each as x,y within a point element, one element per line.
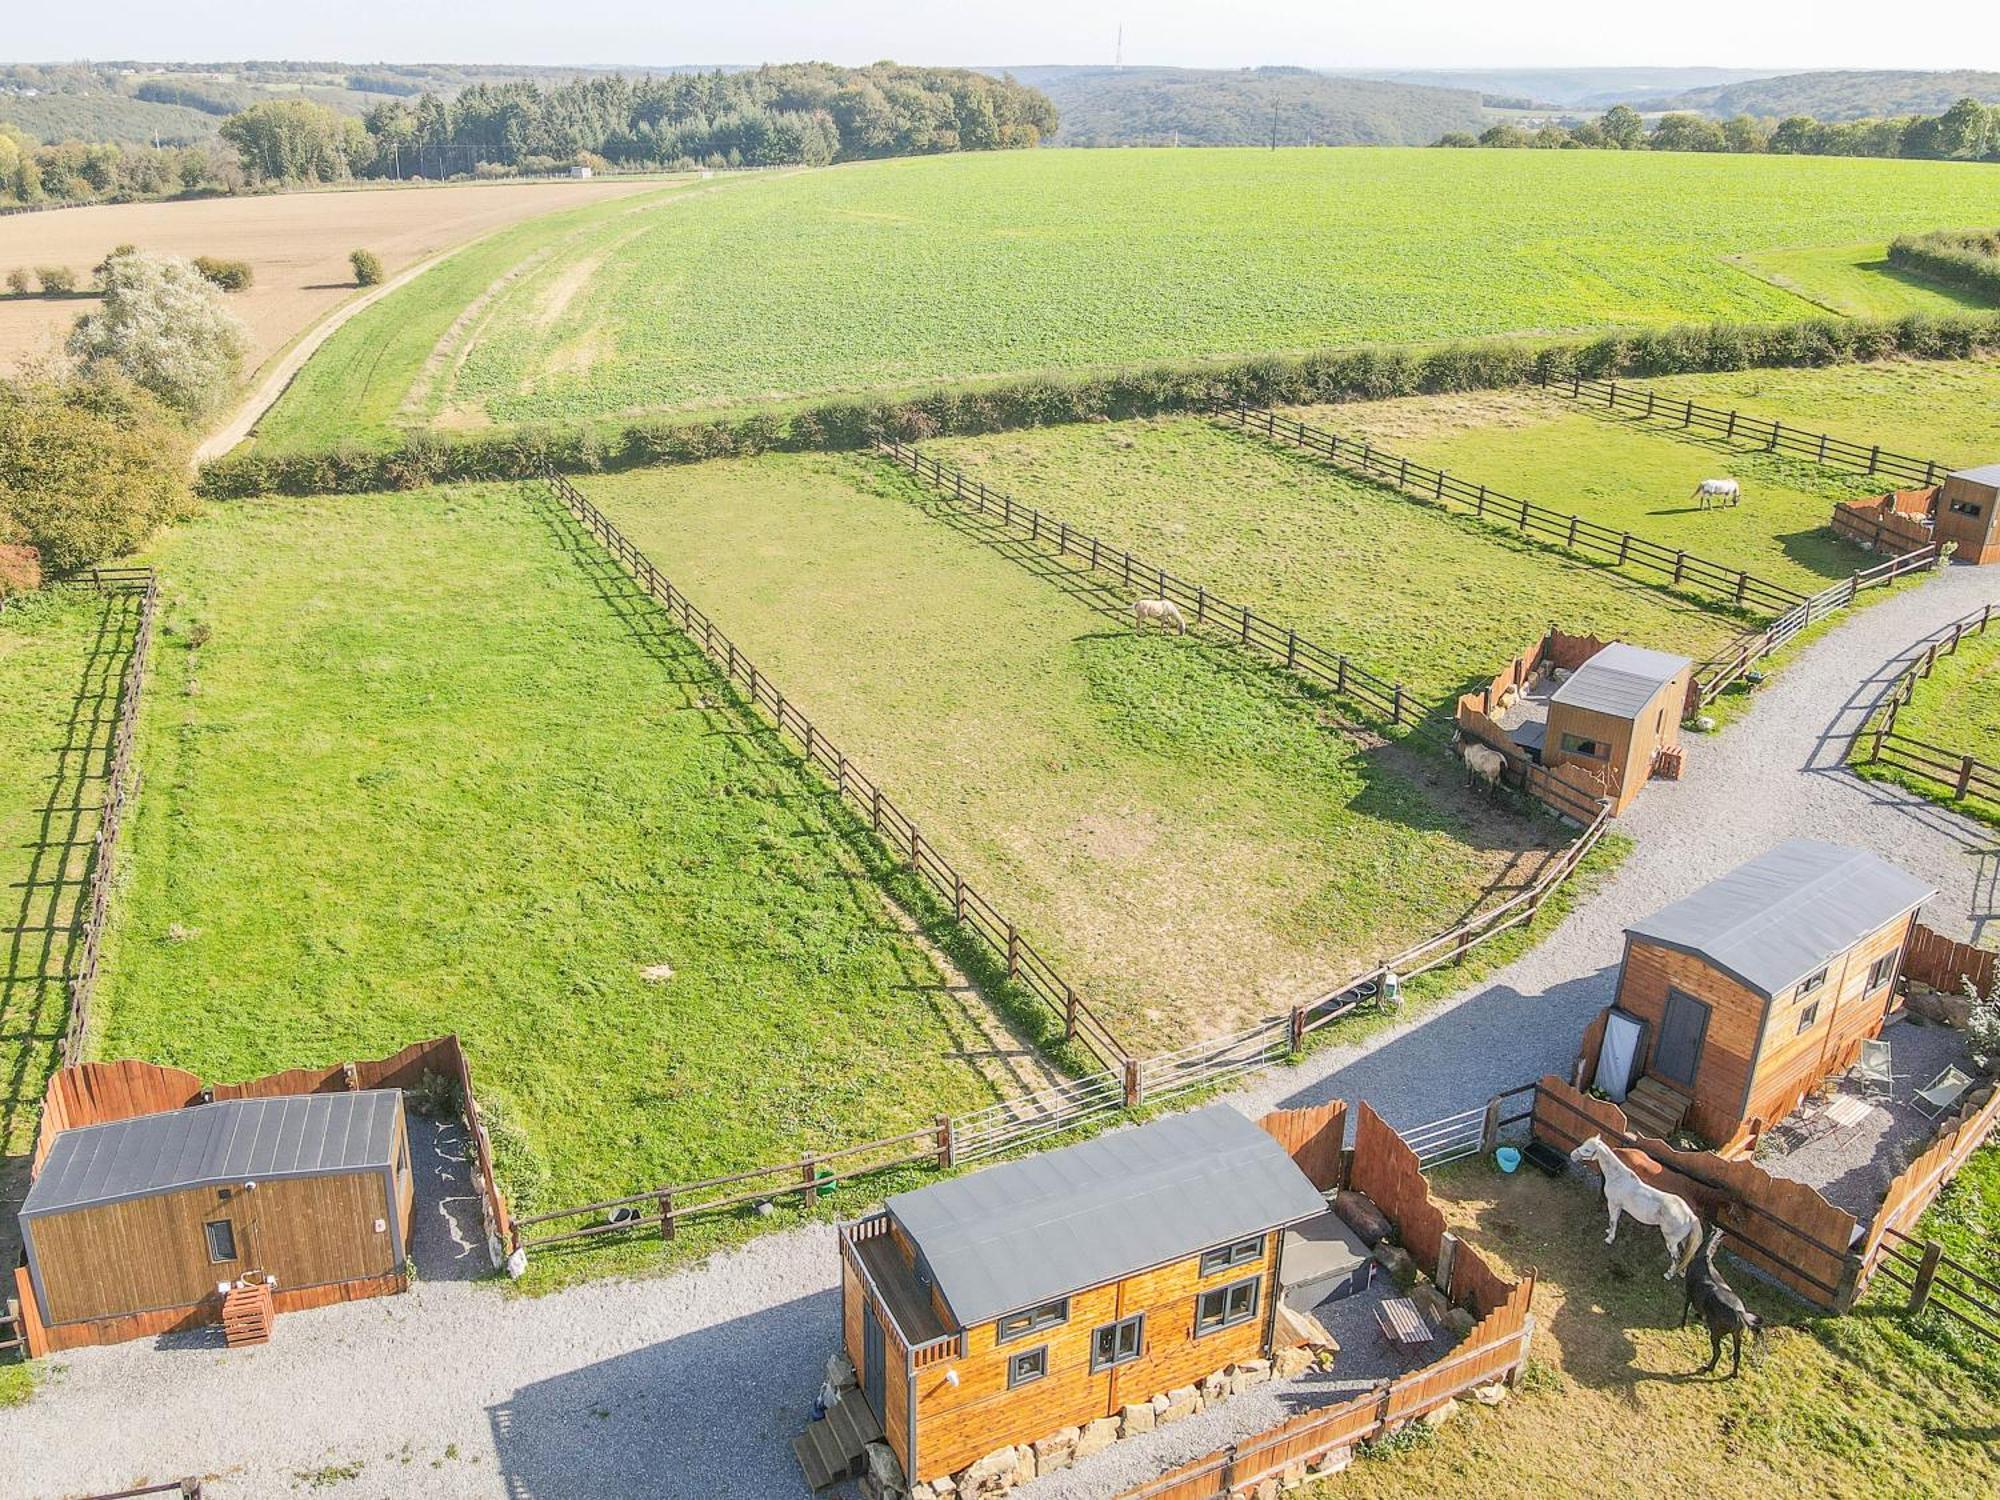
<point>1811,982</point>
<point>1227,1257</point>
<point>1027,1366</point>
<point>1806,1018</point>
<point>1117,1343</point>
<point>1882,970</point>
<point>1577,744</point>
<point>1226,1306</point>
<point>221,1240</point>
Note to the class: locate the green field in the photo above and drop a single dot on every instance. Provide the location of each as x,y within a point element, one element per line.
<point>1434,599</point>
<point>1624,473</point>
<point>1856,281</point>
<point>886,274</point>
<point>439,768</point>
<point>1956,709</point>
<point>1178,827</point>
<point>62,654</point>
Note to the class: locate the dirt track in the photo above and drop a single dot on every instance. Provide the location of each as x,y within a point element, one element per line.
<point>296,243</point>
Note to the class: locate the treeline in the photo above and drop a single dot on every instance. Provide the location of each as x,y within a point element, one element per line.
<point>1968,131</point>
<point>76,172</point>
<point>796,114</point>
<point>1363,374</point>
<point>1968,258</point>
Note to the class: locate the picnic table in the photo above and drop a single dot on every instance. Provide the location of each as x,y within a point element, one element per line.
<point>1403,1324</point>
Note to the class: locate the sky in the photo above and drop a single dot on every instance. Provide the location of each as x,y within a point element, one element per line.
<point>1776,34</point>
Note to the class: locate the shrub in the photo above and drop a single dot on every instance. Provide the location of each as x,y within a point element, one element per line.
<point>230,275</point>
<point>163,326</point>
<point>367,267</point>
<point>55,280</point>
<point>20,282</point>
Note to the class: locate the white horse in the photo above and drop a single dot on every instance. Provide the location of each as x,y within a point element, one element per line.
<point>1624,1193</point>
<point>1717,492</point>
<point>1163,610</point>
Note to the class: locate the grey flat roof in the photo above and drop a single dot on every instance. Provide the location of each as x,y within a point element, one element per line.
<point>232,1141</point>
<point>1033,1230</point>
<point>1984,474</point>
<point>1620,680</point>
<point>1773,921</point>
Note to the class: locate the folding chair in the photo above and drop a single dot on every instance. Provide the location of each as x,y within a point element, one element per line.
<point>1872,1073</point>
<point>1945,1091</point>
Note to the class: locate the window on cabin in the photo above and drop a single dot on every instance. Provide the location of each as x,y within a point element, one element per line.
<point>1117,1343</point>
<point>221,1235</point>
<point>1027,1366</point>
<point>1811,982</point>
<point>1806,1017</point>
<point>1576,744</point>
<point>1031,1320</point>
<point>1226,1306</point>
<point>1880,971</point>
<point>1965,508</point>
<point>1227,1257</point>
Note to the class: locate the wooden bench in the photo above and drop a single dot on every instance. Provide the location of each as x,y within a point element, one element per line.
<point>1402,1324</point>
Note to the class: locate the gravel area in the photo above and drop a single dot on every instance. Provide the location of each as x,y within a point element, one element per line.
<point>694,1384</point>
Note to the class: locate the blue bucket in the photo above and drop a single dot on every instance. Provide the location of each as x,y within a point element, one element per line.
<point>1507,1158</point>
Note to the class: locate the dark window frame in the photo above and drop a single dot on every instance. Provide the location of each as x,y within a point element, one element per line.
<point>1583,744</point>
<point>1045,1315</point>
<point>1039,1355</point>
<point>1236,1253</point>
<point>1883,970</point>
<point>1811,982</point>
<point>228,1227</point>
<point>1967,508</point>
<point>1120,1355</point>
<point>1806,1019</point>
<point>1224,1296</point>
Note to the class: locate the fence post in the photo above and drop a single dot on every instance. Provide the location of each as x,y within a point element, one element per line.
<point>1297,1030</point>
<point>1481,509</point>
<point>666,1216</point>
<point>958,896</point>
<point>1200,605</point>
<point>1874,457</point>
<point>1132,1082</point>
<point>944,1140</point>
<point>1340,674</point>
<point>1965,765</point>
<point>1926,1274</point>
<point>1069,1013</point>
<point>1228,1475</point>
<point>1291,648</point>
<point>1489,1128</point>
<point>1246,624</point>
<point>1396,706</point>
<point>916,849</point>
<point>1447,1263</point>
<point>1680,564</point>
<point>1013,951</point>
<point>1624,546</point>
<point>875,809</point>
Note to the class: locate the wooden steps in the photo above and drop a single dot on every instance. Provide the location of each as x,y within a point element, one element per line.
<point>247,1315</point>
<point>830,1449</point>
<point>1654,1109</point>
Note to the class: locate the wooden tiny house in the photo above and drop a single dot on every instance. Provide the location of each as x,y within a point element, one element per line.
<point>1736,1001</point>
<point>142,1224</point>
<point>1968,513</point>
<point>1046,1293</point>
<point>1614,716</point>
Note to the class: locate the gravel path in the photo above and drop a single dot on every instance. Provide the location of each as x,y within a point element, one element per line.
<point>693,1384</point>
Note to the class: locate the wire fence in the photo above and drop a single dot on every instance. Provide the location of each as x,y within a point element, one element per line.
<point>1767,433</point>
<point>1675,567</point>
<point>1961,776</point>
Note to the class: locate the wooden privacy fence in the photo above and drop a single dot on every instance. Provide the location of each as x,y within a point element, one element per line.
<point>1895,524</point>
<point>121,787</point>
<point>1764,432</point>
<point>1389,705</point>
<point>1573,533</point>
<point>1947,965</point>
<point>1961,776</point>
<point>974,913</point>
<point>1781,1227</point>
<point>1314,1137</point>
<point>1918,1184</point>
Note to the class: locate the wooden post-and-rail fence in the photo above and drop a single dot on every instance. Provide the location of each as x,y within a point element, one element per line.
<point>1934,1279</point>
<point>1962,776</point>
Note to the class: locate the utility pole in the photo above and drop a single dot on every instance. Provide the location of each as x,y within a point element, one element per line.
<point>1274,125</point>
<point>1118,53</point>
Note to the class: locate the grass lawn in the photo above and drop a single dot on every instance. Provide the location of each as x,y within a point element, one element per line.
<point>1856,281</point>
<point>1408,590</point>
<point>1177,826</point>
<point>885,274</point>
<point>62,654</point>
<point>1624,473</point>
<point>1948,410</point>
<point>1855,1407</point>
<point>439,768</point>
<point>1957,709</point>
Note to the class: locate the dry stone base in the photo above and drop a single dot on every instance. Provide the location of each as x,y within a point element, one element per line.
<point>1101,1434</point>
<point>1437,1416</point>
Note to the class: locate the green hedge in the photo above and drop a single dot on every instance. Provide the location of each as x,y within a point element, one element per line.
<point>1966,258</point>
<point>1361,374</point>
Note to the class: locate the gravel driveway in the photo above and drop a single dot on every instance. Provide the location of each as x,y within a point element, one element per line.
<point>693,1384</point>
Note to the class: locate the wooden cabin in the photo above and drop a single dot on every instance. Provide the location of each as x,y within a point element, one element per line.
<point>140,1225</point>
<point>1609,722</point>
<point>1737,1000</point>
<point>1004,1306</point>
<point>1968,508</point>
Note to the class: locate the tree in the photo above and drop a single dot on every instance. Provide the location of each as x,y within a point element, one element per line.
<point>163,325</point>
<point>1745,134</point>
<point>1589,133</point>
<point>87,467</point>
<point>297,140</point>
<point>1794,135</point>
<point>1506,137</point>
<point>1623,128</point>
<point>1457,138</point>
<point>1683,132</point>
<point>1551,138</point>
<point>367,267</point>
<point>1964,130</point>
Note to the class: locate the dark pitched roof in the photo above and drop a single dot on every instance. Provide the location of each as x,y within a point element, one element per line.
<point>1620,680</point>
<point>1033,1230</point>
<point>1778,918</point>
<point>231,1141</point>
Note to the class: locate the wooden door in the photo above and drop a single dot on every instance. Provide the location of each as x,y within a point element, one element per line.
<point>1677,1055</point>
<point>872,1358</point>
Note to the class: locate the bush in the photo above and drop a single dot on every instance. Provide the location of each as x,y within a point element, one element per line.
<point>20,282</point>
<point>55,280</point>
<point>87,468</point>
<point>230,275</point>
<point>162,324</point>
<point>367,267</point>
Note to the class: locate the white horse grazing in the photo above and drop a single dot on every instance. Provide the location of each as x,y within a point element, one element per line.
<point>1717,492</point>
<point>1624,1193</point>
<point>1163,610</point>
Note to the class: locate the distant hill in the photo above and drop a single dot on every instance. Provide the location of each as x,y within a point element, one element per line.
<point>1216,107</point>
<point>1839,96</point>
<point>1571,87</point>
